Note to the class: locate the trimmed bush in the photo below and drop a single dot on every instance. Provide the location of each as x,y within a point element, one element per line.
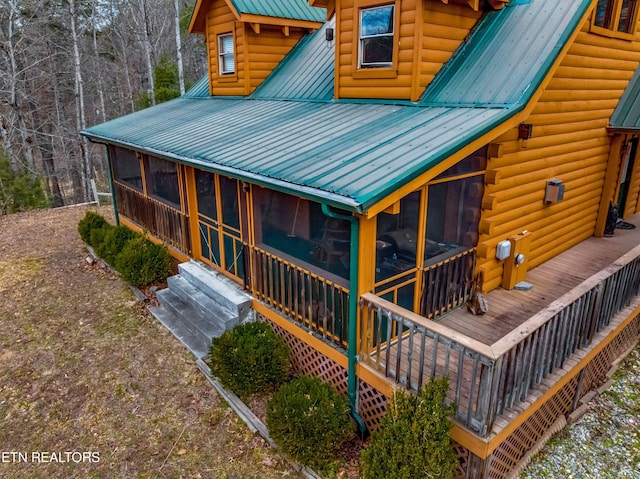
<point>414,438</point>
<point>96,237</point>
<point>91,221</point>
<point>309,421</point>
<point>114,239</point>
<point>142,262</point>
<point>250,358</point>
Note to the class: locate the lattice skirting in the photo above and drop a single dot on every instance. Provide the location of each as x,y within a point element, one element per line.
<point>372,403</point>
<point>307,361</point>
<point>509,456</point>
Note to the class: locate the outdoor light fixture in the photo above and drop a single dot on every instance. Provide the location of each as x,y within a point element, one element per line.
<point>329,34</point>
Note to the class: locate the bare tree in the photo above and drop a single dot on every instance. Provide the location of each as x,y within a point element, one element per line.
<point>178,46</point>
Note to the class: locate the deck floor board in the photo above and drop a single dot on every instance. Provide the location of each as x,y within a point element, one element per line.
<point>508,309</point>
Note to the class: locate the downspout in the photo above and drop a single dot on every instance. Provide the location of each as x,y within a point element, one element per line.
<point>113,191</point>
<point>352,385</point>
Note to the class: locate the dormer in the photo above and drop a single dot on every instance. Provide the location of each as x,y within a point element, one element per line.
<point>246,40</point>
<point>392,49</point>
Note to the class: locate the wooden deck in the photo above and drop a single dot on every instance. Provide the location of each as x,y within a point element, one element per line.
<point>508,309</point>
<point>496,364</point>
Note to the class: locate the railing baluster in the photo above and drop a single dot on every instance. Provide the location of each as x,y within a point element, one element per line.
<point>387,351</point>
<point>399,335</point>
<point>410,355</point>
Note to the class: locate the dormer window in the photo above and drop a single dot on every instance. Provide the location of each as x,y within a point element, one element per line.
<point>376,37</point>
<point>226,60</point>
<point>616,15</point>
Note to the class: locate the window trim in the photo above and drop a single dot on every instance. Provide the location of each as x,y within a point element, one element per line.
<point>611,29</point>
<point>221,54</point>
<point>383,71</point>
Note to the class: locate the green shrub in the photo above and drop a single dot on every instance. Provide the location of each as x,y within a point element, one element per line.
<point>250,358</point>
<point>309,421</point>
<point>414,438</point>
<point>142,262</point>
<point>91,221</point>
<point>114,239</point>
<point>97,235</point>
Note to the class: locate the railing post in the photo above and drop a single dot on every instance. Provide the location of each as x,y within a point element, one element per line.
<point>489,392</point>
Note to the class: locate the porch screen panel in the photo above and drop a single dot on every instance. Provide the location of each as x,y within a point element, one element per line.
<point>453,212</point>
<point>207,216</point>
<point>299,229</point>
<point>162,181</point>
<point>397,238</point>
<point>126,166</point>
<point>206,194</point>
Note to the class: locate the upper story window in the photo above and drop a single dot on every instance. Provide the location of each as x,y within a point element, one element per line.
<point>617,15</point>
<point>376,36</point>
<point>226,58</point>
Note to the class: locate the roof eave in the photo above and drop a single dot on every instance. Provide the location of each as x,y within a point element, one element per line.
<point>313,194</point>
<point>279,21</point>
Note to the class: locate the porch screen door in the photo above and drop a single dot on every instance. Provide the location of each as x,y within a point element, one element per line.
<point>220,211</point>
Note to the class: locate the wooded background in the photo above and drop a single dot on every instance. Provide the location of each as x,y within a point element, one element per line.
<point>69,64</point>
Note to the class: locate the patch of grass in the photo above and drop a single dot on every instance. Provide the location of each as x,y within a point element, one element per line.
<point>82,367</point>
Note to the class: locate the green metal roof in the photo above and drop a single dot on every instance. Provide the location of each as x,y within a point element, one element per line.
<point>347,153</point>
<point>293,9</point>
<point>200,89</point>
<point>508,54</point>
<point>306,73</point>
<point>626,116</point>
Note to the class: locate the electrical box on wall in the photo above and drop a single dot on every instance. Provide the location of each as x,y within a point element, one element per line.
<point>554,191</point>
<point>503,250</point>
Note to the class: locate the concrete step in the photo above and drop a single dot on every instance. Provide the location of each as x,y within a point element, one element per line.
<point>222,290</point>
<point>207,306</point>
<point>197,343</point>
<point>190,314</point>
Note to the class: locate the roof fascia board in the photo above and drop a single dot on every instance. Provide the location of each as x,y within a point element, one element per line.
<point>306,192</point>
<point>196,23</point>
<point>290,22</point>
<point>198,17</point>
<point>506,125</point>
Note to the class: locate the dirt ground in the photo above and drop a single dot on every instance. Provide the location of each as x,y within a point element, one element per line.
<point>92,386</point>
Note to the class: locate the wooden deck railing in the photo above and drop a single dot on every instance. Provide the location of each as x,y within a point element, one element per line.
<point>410,349</point>
<point>160,219</point>
<point>488,380</point>
<point>447,284</point>
<point>306,297</point>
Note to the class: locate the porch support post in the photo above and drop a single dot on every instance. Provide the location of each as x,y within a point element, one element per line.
<point>352,380</point>
<point>113,190</point>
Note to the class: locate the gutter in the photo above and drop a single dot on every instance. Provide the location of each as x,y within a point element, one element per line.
<point>352,358</point>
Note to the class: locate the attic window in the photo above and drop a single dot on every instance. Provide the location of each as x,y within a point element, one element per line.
<point>617,15</point>
<point>376,36</point>
<point>225,54</point>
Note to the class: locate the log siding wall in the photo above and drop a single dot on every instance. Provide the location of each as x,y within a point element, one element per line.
<point>255,54</point>
<point>428,35</point>
<point>570,141</point>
